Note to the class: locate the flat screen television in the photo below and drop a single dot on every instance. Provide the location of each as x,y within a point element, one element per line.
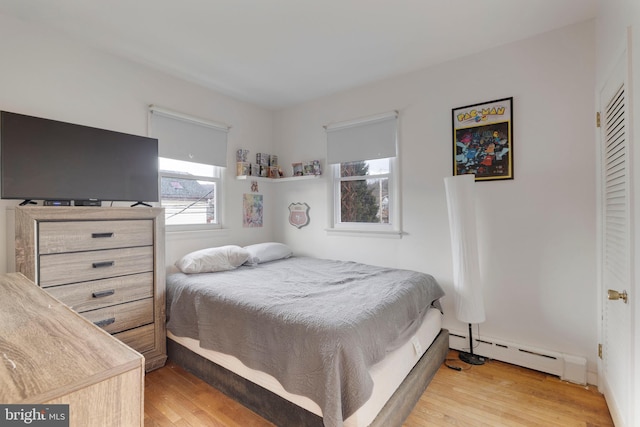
<point>42,159</point>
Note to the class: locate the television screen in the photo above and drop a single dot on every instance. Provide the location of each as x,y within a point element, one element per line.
<point>42,159</point>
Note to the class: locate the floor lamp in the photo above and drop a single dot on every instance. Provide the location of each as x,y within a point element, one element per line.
<point>469,304</point>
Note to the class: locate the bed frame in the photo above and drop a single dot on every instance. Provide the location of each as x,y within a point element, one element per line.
<point>282,412</point>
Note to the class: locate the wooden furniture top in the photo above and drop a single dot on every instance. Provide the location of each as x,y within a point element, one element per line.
<point>47,350</point>
<point>43,213</point>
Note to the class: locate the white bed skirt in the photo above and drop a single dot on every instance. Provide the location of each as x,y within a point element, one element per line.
<point>387,374</point>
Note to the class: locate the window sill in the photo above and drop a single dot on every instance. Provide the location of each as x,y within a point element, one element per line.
<point>283,179</point>
<point>177,230</point>
<point>390,234</point>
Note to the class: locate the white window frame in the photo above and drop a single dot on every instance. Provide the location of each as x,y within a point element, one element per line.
<point>218,180</point>
<point>391,228</point>
<point>394,227</point>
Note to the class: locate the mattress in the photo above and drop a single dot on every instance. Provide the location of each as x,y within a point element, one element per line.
<point>387,374</point>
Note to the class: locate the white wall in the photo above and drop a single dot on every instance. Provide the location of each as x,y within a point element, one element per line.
<point>537,232</point>
<point>47,75</point>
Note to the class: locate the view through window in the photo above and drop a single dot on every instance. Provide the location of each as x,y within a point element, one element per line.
<point>364,191</point>
<point>189,192</point>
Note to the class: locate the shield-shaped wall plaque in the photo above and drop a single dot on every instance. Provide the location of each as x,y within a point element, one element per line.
<point>298,214</point>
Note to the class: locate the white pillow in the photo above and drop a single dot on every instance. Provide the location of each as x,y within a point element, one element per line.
<point>265,252</point>
<point>210,260</point>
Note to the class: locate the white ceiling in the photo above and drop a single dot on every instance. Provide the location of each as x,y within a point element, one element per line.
<point>277,53</point>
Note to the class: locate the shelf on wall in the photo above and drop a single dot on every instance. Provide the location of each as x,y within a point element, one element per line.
<point>289,178</point>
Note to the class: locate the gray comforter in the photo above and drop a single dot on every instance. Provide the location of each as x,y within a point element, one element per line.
<point>316,325</point>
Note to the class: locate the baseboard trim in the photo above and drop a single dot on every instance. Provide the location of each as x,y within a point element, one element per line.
<point>568,367</point>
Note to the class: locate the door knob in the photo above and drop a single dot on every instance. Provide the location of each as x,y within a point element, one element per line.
<point>615,295</point>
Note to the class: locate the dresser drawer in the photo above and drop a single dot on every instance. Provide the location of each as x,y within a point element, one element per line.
<point>59,269</point>
<point>96,294</point>
<point>140,339</point>
<point>121,317</point>
<point>74,236</point>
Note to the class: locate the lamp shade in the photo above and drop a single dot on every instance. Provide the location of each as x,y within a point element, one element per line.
<point>469,304</point>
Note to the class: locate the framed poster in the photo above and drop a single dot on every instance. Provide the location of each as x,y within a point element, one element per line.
<point>483,140</point>
<point>252,205</point>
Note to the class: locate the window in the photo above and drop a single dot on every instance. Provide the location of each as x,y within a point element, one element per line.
<point>190,192</point>
<point>193,155</point>
<point>363,158</point>
<point>364,192</point>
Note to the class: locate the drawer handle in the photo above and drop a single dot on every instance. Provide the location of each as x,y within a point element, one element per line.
<point>102,294</point>
<point>101,235</point>
<point>105,322</point>
<point>103,264</point>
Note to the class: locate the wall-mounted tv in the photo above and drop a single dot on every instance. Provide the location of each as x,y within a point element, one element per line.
<point>42,159</point>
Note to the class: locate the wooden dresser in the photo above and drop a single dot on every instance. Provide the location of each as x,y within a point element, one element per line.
<point>105,263</point>
<point>51,355</point>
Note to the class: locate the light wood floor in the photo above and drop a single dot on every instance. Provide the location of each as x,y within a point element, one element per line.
<point>495,394</point>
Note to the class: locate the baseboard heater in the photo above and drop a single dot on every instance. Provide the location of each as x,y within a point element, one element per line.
<point>567,367</point>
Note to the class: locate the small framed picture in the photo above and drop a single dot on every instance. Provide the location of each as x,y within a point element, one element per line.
<point>297,169</point>
<point>243,168</point>
<point>316,167</point>
<point>483,140</point>
<point>307,168</point>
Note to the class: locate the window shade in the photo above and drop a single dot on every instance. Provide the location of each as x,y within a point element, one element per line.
<point>366,139</point>
<point>183,138</point>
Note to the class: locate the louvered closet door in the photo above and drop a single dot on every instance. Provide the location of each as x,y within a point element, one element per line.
<point>616,243</point>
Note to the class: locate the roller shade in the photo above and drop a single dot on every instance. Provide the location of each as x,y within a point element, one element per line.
<point>366,139</point>
<point>184,138</point>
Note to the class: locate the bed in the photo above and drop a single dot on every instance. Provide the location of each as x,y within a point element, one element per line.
<point>307,341</point>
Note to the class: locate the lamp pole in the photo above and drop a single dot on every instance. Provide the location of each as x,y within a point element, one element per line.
<point>471,358</point>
